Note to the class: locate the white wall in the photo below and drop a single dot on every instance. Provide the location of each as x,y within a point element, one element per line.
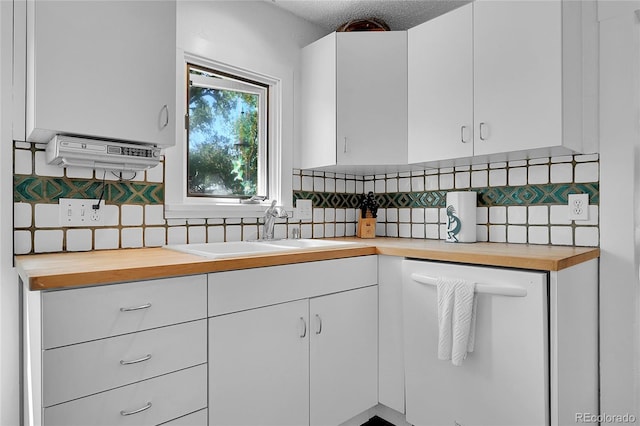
<point>619,189</point>
<point>9,376</point>
<point>254,36</point>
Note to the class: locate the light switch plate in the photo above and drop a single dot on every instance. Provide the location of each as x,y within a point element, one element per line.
<point>304,209</point>
<point>578,206</point>
<point>76,212</point>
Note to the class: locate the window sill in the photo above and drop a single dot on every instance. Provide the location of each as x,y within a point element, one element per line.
<point>200,211</point>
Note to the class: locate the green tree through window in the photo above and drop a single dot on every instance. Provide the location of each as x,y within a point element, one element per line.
<point>226,138</point>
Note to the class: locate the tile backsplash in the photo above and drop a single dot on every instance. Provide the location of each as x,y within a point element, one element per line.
<point>519,202</point>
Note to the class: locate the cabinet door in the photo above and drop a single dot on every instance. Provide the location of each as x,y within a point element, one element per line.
<point>259,366</point>
<point>441,87</point>
<point>103,69</point>
<point>517,75</point>
<point>372,98</point>
<point>344,355</point>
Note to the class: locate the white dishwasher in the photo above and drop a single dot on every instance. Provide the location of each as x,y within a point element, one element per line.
<point>505,380</point>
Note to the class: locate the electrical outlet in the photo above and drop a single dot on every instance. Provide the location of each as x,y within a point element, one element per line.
<point>80,212</point>
<point>578,206</point>
<point>304,209</point>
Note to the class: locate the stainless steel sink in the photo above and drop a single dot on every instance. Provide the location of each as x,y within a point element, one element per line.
<point>248,248</point>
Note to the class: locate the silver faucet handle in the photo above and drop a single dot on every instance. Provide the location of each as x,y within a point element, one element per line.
<point>295,233</point>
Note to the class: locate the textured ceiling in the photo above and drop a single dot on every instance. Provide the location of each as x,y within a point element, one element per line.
<point>398,14</point>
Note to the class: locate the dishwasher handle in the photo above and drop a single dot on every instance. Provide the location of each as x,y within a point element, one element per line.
<point>498,290</point>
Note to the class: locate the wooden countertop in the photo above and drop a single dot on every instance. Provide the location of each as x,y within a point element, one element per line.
<point>63,270</point>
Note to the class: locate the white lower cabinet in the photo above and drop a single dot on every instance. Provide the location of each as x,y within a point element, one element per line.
<point>310,361</point>
<point>149,402</point>
<point>122,354</point>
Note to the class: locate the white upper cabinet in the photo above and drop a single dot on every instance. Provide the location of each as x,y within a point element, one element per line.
<point>524,71</point>
<point>102,69</point>
<point>354,100</point>
<point>441,87</point>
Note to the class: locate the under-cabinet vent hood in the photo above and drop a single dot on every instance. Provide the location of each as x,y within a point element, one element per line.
<point>70,151</point>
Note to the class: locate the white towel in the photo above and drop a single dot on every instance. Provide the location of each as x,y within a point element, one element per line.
<point>456,319</point>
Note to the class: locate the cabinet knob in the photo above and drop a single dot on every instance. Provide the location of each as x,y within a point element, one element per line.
<point>136,361</point>
<point>139,410</point>
<point>345,144</point>
<point>136,308</point>
<point>319,324</point>
<point>303,324</point>
<point>462,129</point>
<point>165,108</point>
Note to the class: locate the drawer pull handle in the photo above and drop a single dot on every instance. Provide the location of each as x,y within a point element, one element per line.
<point>135,361</point>
<point>319,324</point>
<point>136,308</point>
<point>303,323</point>
<point>139,410</point>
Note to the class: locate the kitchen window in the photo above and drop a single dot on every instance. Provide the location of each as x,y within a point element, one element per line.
<point>227,135</point>
<point>227,158</point>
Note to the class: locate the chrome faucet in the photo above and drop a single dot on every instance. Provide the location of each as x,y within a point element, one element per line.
<point>270,216</point>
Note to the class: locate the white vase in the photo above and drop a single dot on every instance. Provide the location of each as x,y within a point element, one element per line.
<point>461,216</point>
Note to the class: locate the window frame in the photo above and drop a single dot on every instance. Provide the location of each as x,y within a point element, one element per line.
<point>238,85</point>
<point>178,205</point>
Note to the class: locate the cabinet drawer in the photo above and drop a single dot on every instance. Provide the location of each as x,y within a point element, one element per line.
<point>79,315</point>
<point>75,371</point>
<point>169,396</point>
<point>233,291</point>
<point>199,418</point>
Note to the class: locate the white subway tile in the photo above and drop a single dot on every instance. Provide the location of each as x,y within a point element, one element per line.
<point>543,160</point>
<point>197,234</point>
<point>497,214</point>
<point>538,235</point>
<point>432,231</point>
<point>392,185</point>
<point>382,215</point>
<point>538,215</point>
<point>587,236</point>
<point>351,186</point>
<point>79,172</point>
<point>350,230</point>
<point>154,214</point>
<point>482,233</point>
<point>561,235</point>
<point>329,215</point>
<point>307,183</point>
<point>417,183</point>
<point>340,229</point>
<point>443,231</point>
<point>593,216</point>
<point>177,235</point>
<point>233,221</point>
<point>498,165</point>
<point>559,215</point>
<point>444,170</point>
<point>215,221</point>
<point>279,231</point>
<point>586,172</point>
<point>47,216</point>
<point>562,159</point>
<point>518,176</point>
<point>538,174</point>
<point>22,215</point>
<point>341,187</point>
<point>23,162</point>
<point>341,215</point>
<point>417,230</point>
<point>404,185</point>
<point>404,230</point>
<point>562,173</point>
<point>432,215</point>
<point>586,157</point>
<point>359,187</point>
<point>432,183</point>
<point>215,234</point>
<point>19,144</point>
<point>329,185</point>
<point>110,214</point>
<point>155,236</point>
<point>22,242</point>
<point>463,180</point>
<point>498,233</point>
<point>479,166</point>
<point>392,214</point>
<point>156,174</point>
<point>462,168</point>
<point>131,215</point>
<point>417,215</point>
<point>380,186</point>
<point>517,234</point>
<point>48,241</point>
<point>351,214</point>
<point>318,230</point>
<point>518,163</point>
<point>517,214</point>
<point>318,184</point>
<point>482,215</point>
<point>106,238</point>
<point>404,215</point>
<point>131,237</point>
<point>498,177</point>
<point>369,186</point>
<point>447,181</point>
<point>79,239</point>
<point>233,233</point>
<point>479,179</point>
<point>306,231</point>
<point>392,230</point>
